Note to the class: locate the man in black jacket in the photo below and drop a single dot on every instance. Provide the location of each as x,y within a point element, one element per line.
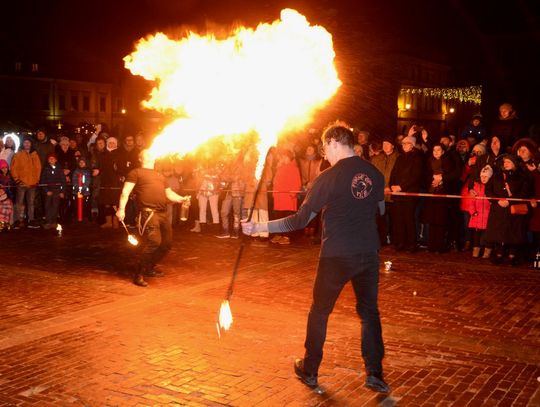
<point>348,194</point>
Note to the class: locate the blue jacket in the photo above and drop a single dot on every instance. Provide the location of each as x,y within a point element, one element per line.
<point>54,179</point>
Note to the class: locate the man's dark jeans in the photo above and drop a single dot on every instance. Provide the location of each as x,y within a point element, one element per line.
<point>157,238</point>
<point>332,275</point>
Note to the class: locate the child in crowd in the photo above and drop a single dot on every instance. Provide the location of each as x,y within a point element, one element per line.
<point>479,211</point>
<point>55,186</point>
<point>80,181</point>
<point>6,197</point>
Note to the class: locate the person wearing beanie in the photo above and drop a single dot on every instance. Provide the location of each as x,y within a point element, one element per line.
<point>495,151</point>
<point>527,151</point>
<point>507,230</point>
<point>409,139</point>
<point>508,127</point>
<point>25,170</point>
<point>385,162</point>
<point>54,187</point>
<point>474,131</point>
<point>406,176</point>
<point>43,146</point>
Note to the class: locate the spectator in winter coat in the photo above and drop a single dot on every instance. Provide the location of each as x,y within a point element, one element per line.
<point>441,176</point>
<point>385,162</point>
<point>508,127</point>
<point>475,130</point>
<point>479,214</point>
<point>54,185</point>
<point>506,230</point>
<point>25,170</point>
<point>406,176</point>
<point>287,183</point>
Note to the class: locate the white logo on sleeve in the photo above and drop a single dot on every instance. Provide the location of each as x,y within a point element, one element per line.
<point>361,186</point>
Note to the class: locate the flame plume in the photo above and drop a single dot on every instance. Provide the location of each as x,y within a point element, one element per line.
<point>266,80</point>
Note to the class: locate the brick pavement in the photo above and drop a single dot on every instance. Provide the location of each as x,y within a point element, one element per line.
<point>75,331</point>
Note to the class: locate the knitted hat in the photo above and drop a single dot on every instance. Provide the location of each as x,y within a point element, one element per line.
<point>409,139</point>
<point>51,155</point>
<point>389,139</point>
<point>3,164</point>
<point>511,157</point>
<point>487,171</point>
<point>480,147</point>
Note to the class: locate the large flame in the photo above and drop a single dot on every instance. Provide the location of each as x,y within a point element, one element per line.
<point>266,80</point>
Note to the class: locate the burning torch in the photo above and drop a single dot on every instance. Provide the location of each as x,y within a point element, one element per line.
<point>131,239</point>
<point>225,314</point>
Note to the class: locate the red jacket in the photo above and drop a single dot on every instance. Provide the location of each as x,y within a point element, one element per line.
<point>287,179</point>
<point>479,208</point>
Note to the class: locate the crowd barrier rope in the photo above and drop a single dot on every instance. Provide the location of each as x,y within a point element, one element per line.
<point>411,194</point>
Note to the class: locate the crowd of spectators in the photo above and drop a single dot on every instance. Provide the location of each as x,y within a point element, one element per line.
<point>475,191</point>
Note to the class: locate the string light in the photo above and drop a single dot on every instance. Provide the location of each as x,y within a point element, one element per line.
<point>466,94</point>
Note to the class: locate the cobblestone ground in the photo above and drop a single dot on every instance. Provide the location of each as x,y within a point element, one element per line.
<point>75,331</point>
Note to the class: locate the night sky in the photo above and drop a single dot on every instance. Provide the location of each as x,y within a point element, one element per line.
<point>482,41</point>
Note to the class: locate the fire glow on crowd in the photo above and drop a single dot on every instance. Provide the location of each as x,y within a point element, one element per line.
<point>265,82</point>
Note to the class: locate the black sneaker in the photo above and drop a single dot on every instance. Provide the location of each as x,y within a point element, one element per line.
<point>376,383</point>
<point>224,235</point>
<point>307,379</point>
<point>17,225</point>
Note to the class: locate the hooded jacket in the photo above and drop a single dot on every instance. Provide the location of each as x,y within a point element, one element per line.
<point>26,168</point>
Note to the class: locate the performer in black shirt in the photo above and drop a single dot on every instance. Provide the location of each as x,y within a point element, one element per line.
<point>348,194</point>
<point>152,194</point>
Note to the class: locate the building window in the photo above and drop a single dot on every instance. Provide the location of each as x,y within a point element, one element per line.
<point>86,103</point>
<point>45,101</point>
<point>62,102</point>
<point>119,105</point>
<point>103,104</point>
<point>18,66</point>
<point>75,102</point>
<point>35,67</point>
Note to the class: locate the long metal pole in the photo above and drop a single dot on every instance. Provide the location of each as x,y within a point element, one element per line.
<point>243,238</point>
